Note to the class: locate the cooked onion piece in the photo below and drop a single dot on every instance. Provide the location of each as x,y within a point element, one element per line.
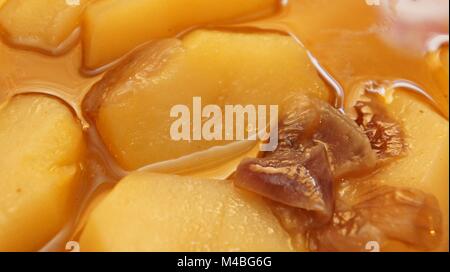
<point>396,218</point>
<point>316,145</point>
<point>368,211</point>
<point>308,121</point>
<point>348,148</point>
<point>301,179</point>
<point>368,109</point>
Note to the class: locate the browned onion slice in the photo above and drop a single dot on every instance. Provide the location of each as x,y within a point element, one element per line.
<point>310,121</point>
<point>385,133</point>
<point>317,144</point>
<point>366,211</point>
<point>298,179</point>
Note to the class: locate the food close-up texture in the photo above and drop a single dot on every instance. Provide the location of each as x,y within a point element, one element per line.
<point>228,125</point>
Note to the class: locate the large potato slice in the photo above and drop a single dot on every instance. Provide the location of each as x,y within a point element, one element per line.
<point>223,68</point>
<point>149,212</point>
<point>41,24</point>
<point>107,22</point>
<point>41,146</point>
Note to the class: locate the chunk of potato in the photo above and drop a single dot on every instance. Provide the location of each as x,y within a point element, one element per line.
<point>41,147</point>
<point>150,212</point>
<point>107,22</point>
<point>2,2</point>
<point>41,24</point>
<point>425,165</point>
<point>223,68</point>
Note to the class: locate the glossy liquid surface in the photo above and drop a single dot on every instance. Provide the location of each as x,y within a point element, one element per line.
<point>351,41</point>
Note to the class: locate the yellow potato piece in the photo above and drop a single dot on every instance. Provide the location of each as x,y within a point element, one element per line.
<point>41,146</point>
<point>150,212</point>
<point>2,2</point>
<point>425,166</point>
<point>41,24</point>
<point>223,68</point>
<point>107,22</point>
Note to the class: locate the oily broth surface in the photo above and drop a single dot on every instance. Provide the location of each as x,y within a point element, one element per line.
<point>348,49</point>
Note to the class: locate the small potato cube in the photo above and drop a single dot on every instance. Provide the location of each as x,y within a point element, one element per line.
<point>150,212</point>
<point>114,27</point>
<point>41,147</point>
<point>41,24</point>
